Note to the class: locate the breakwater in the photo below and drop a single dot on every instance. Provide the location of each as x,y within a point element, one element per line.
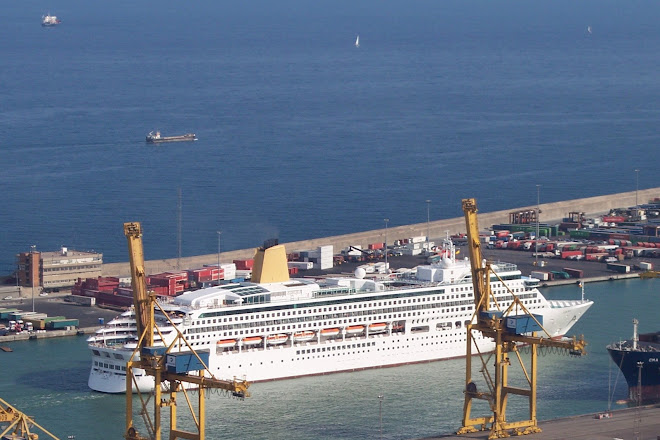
<point>436,228</point>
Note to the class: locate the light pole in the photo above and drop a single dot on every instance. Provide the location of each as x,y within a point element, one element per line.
<point>218,279</point>
<point>380,414</point>
<point>636,186</point>
<point>428,225</point>
<point>538,211</point>
<point>32,249</point>
<point>386,220</point>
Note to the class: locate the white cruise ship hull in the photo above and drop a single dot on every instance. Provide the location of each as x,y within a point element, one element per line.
<point>423,339</point>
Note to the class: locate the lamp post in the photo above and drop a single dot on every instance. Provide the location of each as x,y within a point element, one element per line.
<point>380,414</point>
<point>428,225</point>
<point>386,266</point>
<point>538,211</point>
<point>218,280</point>
<point>636,186</point>
<point>32,249</point>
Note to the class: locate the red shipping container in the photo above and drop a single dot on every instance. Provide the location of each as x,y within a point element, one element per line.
<point>614,219</point>
<point>374,246</point>
<point>566,254</point>
<point>244,264</point>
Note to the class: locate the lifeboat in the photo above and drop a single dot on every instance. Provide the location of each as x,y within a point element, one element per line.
<point>378,327</point>
<point>303,336</point>
<point>226,343</point>
<point>354,329</point>
<point>252,340</point>
<point>277,339</point>
<point>330,332</point>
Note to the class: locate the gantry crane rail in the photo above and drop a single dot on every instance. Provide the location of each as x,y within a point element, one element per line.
<point>490,321</point>
<point>153,360</point>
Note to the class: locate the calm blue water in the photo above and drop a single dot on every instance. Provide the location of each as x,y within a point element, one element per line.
<point>302,135</point>
<point>48,380</point>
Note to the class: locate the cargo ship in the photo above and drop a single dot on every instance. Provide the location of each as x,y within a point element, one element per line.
<point>273,327</point>
<point>49,20</point>
<point>156,138</point>
<point>639,361</point>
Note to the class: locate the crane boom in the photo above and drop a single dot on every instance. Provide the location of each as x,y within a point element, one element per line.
<point>153,359</point>
<point>141,301</point>
<point>491,323</point>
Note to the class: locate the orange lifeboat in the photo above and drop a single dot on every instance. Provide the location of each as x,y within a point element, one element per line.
<point>378,327</point>
<point>304,336</point>
<point>354,329</point>
<point>330,332</point>
<point>252,340</point>
<point>226,343</point>
<point>277,339</point>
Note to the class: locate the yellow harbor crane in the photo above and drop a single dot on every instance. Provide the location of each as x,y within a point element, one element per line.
<point>510,329</point>
<point>175,367</point>
<point>18,425</point>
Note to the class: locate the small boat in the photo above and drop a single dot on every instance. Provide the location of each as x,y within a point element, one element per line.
<point>354,329</point>
<point>226,343</point>
<point>304,336</point>
<point>252,340</point>
<point>277,339</point>
<point>378,327</point>
<point>357,41</point>
<point>330,332</point>
<point>156,138</point>
<point>49,20</point>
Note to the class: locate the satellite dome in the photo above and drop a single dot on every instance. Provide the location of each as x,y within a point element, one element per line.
<point>360,273</point>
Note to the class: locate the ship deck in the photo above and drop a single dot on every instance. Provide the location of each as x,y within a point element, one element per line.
<point>624,424</point>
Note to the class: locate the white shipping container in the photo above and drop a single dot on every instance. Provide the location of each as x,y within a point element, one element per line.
<point>408,251</point>
<point>543,276</point>
<point>418,239</point>
<point>301,265</point>
<point>645,266</point>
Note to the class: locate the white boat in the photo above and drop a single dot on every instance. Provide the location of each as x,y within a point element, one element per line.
<point>277,339</point>
<point>49,20</point>
<point>413,316</point>
<point>304,336</point>
<point>354,329</point>
<point>357,41</point>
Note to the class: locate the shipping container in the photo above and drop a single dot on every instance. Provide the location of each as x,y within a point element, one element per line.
<point>574,273</point>
<point>543,276</point>
<point>374,246</point>
<point>617,267</point>
<point>521,324</point>
<point>247,264</point>
<point>645,266</point>
<point>186,361</point>
<point>60,324</point>
<point>570,253</point>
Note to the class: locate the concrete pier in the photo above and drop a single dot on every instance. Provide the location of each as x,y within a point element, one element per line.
<point>437,228</point>
<point>641,423</point>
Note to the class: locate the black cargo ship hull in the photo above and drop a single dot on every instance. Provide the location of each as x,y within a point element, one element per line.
<point>643,383</point>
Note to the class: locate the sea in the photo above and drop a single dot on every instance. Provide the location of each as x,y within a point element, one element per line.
<point>47,379</point>
<point>304,135</point>
<point>301,133</point>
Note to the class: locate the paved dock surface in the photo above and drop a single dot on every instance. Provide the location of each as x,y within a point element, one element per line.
<point>626,424</point>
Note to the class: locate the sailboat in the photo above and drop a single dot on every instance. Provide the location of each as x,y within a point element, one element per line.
<point>357,41</point>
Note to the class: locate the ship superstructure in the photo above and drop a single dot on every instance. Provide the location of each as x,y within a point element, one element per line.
<point>281,328</point>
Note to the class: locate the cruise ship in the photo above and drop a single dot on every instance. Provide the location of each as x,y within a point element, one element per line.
<point>278,328</point>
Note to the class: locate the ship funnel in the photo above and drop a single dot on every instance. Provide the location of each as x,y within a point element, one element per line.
<point>270,264</point>
<point>635,336</point>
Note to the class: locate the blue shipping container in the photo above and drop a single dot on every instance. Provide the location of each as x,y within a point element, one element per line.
<point>183,362</point>
<point>520,324</point>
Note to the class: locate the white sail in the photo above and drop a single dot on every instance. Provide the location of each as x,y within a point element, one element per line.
<point>357,41</point>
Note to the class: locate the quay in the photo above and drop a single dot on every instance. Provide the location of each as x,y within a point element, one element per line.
<point>639,423</point>
<point>436,228</point>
